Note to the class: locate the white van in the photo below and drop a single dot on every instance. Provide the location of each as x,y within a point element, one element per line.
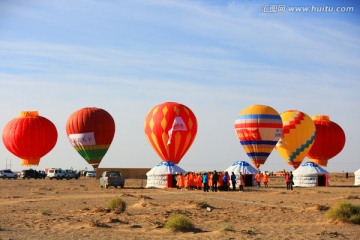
<point>56,173</point>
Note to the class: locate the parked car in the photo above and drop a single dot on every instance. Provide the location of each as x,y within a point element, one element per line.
<point>112,178</point>
<point>69,174</point>
<point>31,173</point>
<point>91,174</point>
<point>58,174</point>
<point>7,174</point>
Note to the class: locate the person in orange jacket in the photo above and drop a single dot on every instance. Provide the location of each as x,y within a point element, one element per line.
<point>210,180</point>
<point>180,181</point>
<point>220,181</point>
<point>258,178</point>
<point>191,180</point>
<point>199,181</point>
<point>186,181</point>
<point>266,179</point>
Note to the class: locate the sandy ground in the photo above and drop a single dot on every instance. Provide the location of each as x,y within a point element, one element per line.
<point>76,209</point>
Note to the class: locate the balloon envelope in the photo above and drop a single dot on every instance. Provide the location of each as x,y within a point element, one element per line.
<point>90,131</point>
<point>30,137</point>
<point>297,138</point>
<point>329,141</point>
<point>258,128</point>
<point>170,128</point>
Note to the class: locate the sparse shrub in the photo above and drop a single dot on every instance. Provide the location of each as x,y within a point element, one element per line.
<point>322,207</point>
<point>116,204</point>
<point>352,197</point>
<point>179,222</point>
<point>228,227</point>
<point>345,212</point>
<point>46,212</point>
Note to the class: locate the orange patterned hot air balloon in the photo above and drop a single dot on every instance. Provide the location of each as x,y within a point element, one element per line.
<point>170,128</point>
<point>91,130</point>
<point>30,137</point>
<point>297,138</point>
<point>329,141</point>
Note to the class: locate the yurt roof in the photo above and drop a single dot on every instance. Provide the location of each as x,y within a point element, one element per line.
<point>242,167</point>
<point>309,168</point>
<point>357,172</point>
<point>165,168</point>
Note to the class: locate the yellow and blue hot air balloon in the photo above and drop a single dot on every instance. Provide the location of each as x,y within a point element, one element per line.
<point>258,128</point>
<point>297,138</point>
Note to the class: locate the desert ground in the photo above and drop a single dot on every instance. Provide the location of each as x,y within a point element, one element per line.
<point>76,209</point>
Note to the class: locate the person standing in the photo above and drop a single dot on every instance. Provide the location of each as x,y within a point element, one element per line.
<point>180,181</point>
<point>287,180</point>
<point>233,181</point>
<point>205,182</point>
<point>226,181</point>
<point>266,179</point>
<point>291,177</point>
<point>220,181</point>
<point>199,181</point>
<point>215,179</point>
<point>241,182</point>
<point>258,178</point>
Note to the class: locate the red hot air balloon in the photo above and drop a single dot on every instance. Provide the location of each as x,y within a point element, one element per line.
<point>30,137</point>
<point>90,131</point>
<point>170,128</point>
<point>329,141</point>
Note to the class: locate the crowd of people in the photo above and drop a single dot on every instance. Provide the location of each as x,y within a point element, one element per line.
<point>223,181</point>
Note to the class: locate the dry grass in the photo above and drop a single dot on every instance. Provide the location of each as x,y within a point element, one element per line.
<point>227,226</point>
<point>45,212</point>
<point>179,222</point>
<point>345,212</point>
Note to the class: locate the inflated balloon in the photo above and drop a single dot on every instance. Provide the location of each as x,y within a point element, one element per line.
<point>258,128</point>
<point>90,131</point>
<point>170,128</point>
<point>329,141</point>
<point>297,137</point>
<point>29,137</point>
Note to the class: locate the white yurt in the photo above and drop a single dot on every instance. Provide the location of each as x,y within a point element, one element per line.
<point>244,168</point>
<point>357,178</point>
<point>310,175</point>
<point>163,175</point>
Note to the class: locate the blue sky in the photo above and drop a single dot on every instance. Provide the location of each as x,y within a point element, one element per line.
<point>216,57</point>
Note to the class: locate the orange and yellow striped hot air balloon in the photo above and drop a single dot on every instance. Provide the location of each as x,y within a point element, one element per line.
<point>258,128</point>
<point>170,128</point>
<point>298,136</point>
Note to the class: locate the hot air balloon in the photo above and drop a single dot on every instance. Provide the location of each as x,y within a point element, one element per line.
<point>90,131</point>
<point>29,137</point>
<point>329,141</point>
<point>170,128</point>
<point>297,137</point>
<point>258,128</point>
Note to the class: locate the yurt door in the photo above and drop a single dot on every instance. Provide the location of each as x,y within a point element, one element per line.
<point>321,180</point>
